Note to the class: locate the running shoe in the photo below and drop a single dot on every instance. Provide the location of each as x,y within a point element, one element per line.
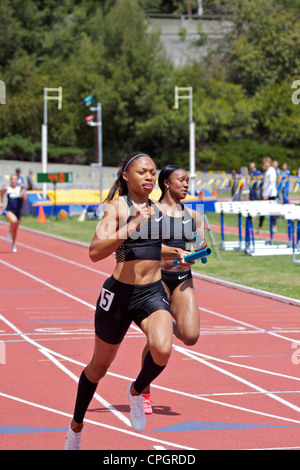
<point>147,403</point>
<point>9,238</point>
<point>14,248</point>
<point>137,414</point>
<point>72,439</point>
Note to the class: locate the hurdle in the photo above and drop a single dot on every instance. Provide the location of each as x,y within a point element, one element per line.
<point>292,214</point>
<point>237,208</point>
<point>229,207</point>
<point>248,210</point>
<point>271,209</point>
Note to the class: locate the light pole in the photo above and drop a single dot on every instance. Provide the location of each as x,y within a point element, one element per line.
<point>189,97</point>
<point>88,100</point>
<point>2,94</point>
<point>45,129</point>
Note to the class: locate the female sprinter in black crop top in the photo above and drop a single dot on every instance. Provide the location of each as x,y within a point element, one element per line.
<point>180,222</point>
<point>132,228</point>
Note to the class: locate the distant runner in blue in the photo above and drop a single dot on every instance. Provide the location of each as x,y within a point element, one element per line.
<point>285,183</point>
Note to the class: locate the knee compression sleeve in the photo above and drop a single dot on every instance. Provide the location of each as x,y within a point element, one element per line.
<point>149,372</point>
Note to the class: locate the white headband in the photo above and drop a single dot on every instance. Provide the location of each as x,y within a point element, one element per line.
<point>138,155</point>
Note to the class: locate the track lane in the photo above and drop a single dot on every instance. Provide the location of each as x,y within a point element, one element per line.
<point>61,274</point>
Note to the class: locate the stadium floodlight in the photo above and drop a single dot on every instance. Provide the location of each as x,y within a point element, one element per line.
<point>188,95</point>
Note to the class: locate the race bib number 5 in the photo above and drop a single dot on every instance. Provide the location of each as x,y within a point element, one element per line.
<point>106,299</point>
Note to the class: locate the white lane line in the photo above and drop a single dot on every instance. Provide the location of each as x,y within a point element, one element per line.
<point>96,423</point>
<point>46,352</point>
<point>105,403</point>
<point>237,394</point>
<point>86,303</point>
<point>261,330</point>
<point>242,366</point>
<point>47,284</point>
<point>257,329</point>
<point>61,258</point>
<point>239,379</point>
<point>200,276</point>
<point>169,390</point>
<point>215,402</point>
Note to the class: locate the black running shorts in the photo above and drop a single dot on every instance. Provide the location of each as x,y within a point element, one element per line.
<point>119,304</point>
<point>172,279</point>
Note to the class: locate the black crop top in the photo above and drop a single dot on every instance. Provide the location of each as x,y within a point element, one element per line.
<point>179,230</point>
<point>145,242</point>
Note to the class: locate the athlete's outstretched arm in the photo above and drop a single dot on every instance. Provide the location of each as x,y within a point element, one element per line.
<point>171,252</point>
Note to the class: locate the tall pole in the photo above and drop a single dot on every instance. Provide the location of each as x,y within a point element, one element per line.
<point>189,97</point>
<point>192,144</point>
<point>44,143</point>
<point>99,164</point>
<point>45,130</point>
<point>100,153</point>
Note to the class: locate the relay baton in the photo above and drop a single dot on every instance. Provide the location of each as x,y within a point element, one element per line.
<point>197,241</point>
<point>196,255</point>
<point>196,237</point>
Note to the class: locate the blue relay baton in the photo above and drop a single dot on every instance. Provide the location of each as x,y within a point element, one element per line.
<point>196,238</point>
<point>197,241</point>
<point>201,254</point>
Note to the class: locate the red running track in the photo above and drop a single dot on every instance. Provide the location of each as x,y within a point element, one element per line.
<point>238,388</point>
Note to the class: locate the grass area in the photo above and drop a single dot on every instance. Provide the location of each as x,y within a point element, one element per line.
<point>276,274</point>
<point>69,228</point>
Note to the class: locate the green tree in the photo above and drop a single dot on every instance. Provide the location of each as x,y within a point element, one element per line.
<point>136,75</point>
<point>264,46</point>
<point>278,118</point>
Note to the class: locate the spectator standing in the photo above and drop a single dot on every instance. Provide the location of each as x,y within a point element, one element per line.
<point>30,183</point>
<point>20,178</point>
<point>234,182</point>
<point>269,191</point>
<point>254,182</point>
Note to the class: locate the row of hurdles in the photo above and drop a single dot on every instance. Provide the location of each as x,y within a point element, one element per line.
<point>268,208</point>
